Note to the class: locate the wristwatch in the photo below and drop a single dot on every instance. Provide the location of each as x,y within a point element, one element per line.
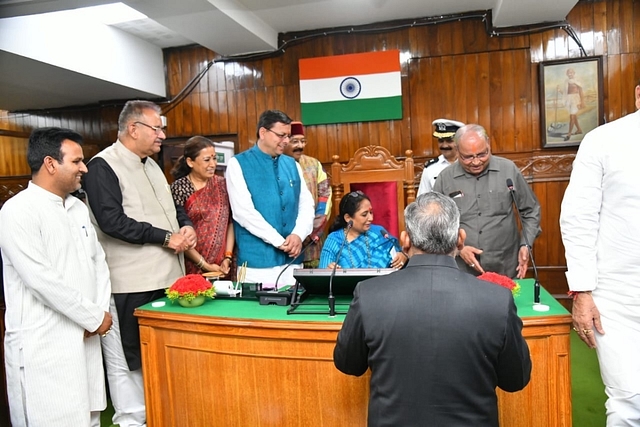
<point>167,238</point>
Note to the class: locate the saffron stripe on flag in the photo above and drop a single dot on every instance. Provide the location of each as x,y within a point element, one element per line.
<point>356,110</point>
<point>372,86</point>
<point>347,65</point>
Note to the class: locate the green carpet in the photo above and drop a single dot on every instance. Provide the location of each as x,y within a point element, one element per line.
<point>107,414</point>
<point>587,390</point>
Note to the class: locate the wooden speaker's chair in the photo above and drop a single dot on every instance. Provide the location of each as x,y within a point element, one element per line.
<point>388,182</point>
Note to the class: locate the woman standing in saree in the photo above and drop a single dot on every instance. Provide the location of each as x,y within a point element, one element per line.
<point>204,197</point>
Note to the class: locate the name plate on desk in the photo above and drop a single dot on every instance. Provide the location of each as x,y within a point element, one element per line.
<point>316,280</point>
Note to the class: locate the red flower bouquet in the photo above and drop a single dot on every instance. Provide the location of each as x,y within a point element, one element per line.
<point>501,280</point>
<point>189,288</point>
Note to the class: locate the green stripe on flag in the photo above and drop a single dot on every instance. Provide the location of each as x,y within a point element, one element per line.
<point>352,110</point>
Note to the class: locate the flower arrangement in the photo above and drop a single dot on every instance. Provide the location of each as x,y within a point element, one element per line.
<point>189,287</point>
<point>501,280</point>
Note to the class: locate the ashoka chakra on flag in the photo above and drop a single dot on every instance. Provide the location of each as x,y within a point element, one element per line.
<point>350,88</point>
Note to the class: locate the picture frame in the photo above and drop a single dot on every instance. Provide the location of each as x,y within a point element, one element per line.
<point>571,100</point>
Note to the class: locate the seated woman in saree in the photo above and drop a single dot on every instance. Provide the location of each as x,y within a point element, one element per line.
<point>367,245</point>
<point>204,197</point>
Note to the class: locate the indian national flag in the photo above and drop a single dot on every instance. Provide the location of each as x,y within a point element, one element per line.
<point>351,88</point>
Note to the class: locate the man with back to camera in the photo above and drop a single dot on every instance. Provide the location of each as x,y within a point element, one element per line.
<point>56,284</point>
<point>438,341</point>
<point>272,207</point>
<point>477,182</point>
<point>444,131</point>
<point>600,233</point>
<point>318,184</point>
<point>144,237</point>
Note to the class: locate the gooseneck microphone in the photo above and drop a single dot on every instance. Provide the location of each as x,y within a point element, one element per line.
<point>536,286</point>
<point>332,298</point>
<point>388,237</point>
<point>314,239</point>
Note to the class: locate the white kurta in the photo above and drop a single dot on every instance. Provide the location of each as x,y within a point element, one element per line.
<point>56,285</point>
<point>600,231</point>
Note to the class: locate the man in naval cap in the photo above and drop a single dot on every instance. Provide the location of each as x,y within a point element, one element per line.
<point>444,129</point>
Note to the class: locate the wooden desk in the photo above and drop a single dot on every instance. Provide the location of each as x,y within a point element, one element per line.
<point>236,363</point>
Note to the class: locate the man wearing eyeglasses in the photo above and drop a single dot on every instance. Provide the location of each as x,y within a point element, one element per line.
<point>143,235</point>
<point>317,183</point>
<point>272,207</point>
<point>477,183</point>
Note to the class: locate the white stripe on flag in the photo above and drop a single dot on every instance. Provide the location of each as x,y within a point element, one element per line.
<point>372,86</point>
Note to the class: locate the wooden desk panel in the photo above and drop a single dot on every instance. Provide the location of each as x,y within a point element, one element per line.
<point>203,371</point>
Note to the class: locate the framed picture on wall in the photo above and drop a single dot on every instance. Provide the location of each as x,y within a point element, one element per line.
<point>571,100</point>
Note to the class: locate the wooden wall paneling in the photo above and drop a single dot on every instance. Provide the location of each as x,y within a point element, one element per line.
<point>9,187</point>
<point>244,137</point>
<point>195,114</point>
<point>506,138</point>
<point>467,66</point>
<point>626,21</point>
<point>599,27</point>
<point>629,76</point>
<point>13,155</point>
<point>251,112</point>
<point>261,104</point>
<point>419,108</point>
<point>292,98</point>
<point>220,78</point>
<point>228,76</point>
<point>220,113</point>
<point>232,108</point>
<point>614,25</point>
<point>483,84</point>
<point>535,142</point>
<point>614,89</point>
<point>186,117</point>
<point>205,113</point>
<point>636,28</point>
<point>495,122</point>
<point>212,74</point>
<point>460,96</point>
<point>522,138</point>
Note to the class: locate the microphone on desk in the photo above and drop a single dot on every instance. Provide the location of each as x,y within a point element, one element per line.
<point>313,240</point>
<point>536,286</point>
<point>332,298</point>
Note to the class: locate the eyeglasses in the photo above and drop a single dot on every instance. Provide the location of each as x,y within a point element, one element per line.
<point>470,158</point>
<point>156,129</point>
<point>356,193</point>
<point>280,135</point>
<point>295,141</point>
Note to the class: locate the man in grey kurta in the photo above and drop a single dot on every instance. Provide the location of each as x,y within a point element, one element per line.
<point>57,290</point>
<point>477,182</point>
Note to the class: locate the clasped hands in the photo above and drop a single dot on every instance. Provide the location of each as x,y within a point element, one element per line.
<point>292,245</point>
<point>468,255</point>
<point>184,240</point>
<point>104,328</point>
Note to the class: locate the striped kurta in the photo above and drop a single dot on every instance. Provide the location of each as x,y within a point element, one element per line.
<point>56,285</point>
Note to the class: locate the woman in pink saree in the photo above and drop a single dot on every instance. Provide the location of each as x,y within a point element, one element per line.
<point>204,197</point>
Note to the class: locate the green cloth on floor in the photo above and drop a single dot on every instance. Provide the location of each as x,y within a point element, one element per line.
<point>587,390</point>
